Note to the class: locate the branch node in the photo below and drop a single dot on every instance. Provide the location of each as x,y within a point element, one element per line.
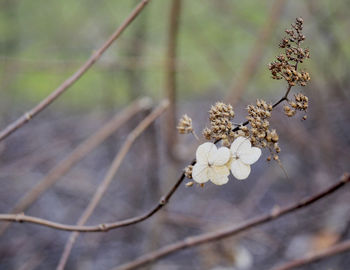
<point>163,200</point>
<point>103,227</point>
<point>19,217</point>
<point>275,211</point>
<point>346,177</point>
<point>28,116</point>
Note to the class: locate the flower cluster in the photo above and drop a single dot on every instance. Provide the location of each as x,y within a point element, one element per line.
<point>220,116</point>
<point>215,164</point>
<point>242,143</point>
<point>259,132</point>
<point>285,66</point>
<point>300,103</point>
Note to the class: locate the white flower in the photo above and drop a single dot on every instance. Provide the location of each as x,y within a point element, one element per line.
<point>243,155</point>
<point>211,164</point>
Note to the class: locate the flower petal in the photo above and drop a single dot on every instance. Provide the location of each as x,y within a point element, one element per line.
<point>221,157</point>
<point>240,170</point>
<point>250,156</point>
<point>240,145</point>
<point>219,180</point>
<point>203,152</point>
<point>219,174</point>
<point>200,173</point>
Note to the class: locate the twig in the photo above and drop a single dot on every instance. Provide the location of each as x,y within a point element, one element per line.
<point>130,139</point>
<point>170,72</point>
<point>78,153</point>
<point>26,117</point>
<point>256,54</point>
<point>106,226</point>
<point>233,230</point>
<point>336,249</point>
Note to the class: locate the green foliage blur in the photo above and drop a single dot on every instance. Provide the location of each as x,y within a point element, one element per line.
<point>44,42</point>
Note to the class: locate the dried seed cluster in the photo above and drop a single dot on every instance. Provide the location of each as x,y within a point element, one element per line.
<point>300,103</point>
<point>259,132</point>
<point>185,125</point>
<point>285,67</point>
<point>220,116</point>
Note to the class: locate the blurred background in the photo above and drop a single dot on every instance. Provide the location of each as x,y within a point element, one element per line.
<point>222,50</point>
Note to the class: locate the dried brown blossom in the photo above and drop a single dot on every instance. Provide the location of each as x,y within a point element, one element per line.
<point>300,103</point>
<point>185,125</point>
<point>286,64</point>
<point>220,116</point>
<point>259,132</point>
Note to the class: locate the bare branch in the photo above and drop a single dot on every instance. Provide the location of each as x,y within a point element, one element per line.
<point>78,153</point>
<point>336,249</point>
<point>130,139</point>
<point>100,227</point>
<point>190,242</point>
<point>26,117</point>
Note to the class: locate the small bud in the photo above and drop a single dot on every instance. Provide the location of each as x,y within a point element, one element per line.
<point>189,184</point>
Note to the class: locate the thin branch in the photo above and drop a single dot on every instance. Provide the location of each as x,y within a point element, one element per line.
<point>170,72</point>
<point>233,230</point>
<point>285,97</point>
<point>71,80</point>
<point>130,139</point>
<point>116,163</point>
<point>251,64</point>
<point>76,155</point>
<point>336,249</point>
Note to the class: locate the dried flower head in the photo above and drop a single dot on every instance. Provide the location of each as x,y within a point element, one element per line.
<point>286,65</point>
<point>300,103</point>
<point>259,133</point>
<point>220,116</point>
<point>185,125</point>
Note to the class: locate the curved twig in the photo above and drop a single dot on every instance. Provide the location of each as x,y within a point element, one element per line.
<point>26,117</point>
<point>75,156</point>
<point>233,230</point>
<point>336,249</point>
<point>103,227</point>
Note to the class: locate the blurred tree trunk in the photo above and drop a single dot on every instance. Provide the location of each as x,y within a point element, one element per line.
<point>170,73</point>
